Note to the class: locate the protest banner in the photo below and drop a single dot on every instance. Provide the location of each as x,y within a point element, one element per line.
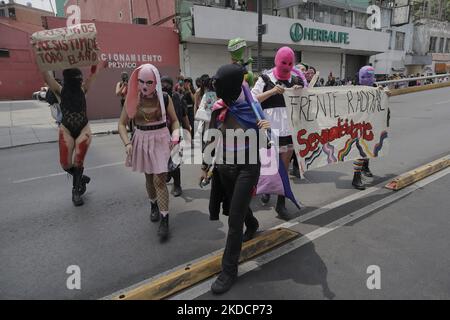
<point>337,124</point>
<point>64,48</point>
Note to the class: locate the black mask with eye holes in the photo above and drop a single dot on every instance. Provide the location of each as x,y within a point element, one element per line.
<point>167,85</point>
<point>228,82</point>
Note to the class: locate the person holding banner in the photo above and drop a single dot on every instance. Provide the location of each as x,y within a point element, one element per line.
<point>74,132</point>
<point>269,90</point>
<point>237,181</point>
<point>361,166</point>
<point>149,150</point>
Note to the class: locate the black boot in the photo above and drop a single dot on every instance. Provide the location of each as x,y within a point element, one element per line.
<point>155,214</point>
<point>177,191</point>
<point>223,283</point>
<point>163,231</point>
<point>366,171</point>
<point>265,199</point>
<point>283,213</point>
<point>84,180</point>
<point>251,229</point>
<point>357,181</point>
<point>296,173</point>
<point>77,184</point>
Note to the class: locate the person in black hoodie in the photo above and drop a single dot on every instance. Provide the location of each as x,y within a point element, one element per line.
<point>237,181</point>
<point>181,110</point>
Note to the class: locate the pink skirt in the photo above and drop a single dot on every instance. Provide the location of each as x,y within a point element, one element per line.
<point>151,151</point>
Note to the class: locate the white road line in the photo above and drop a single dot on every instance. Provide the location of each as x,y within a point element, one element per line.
<point>443,102</point>
<point>331,206</point>
<point>64,173</point>
<point>204,288</point>
<point>287,225</point>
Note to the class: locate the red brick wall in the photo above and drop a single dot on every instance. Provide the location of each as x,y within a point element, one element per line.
<point>115,38</point>
<point>29,16</point>
<point>19,75</point>
<point>108,10</point>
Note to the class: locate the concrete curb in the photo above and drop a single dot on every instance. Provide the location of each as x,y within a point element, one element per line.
<point>185,277</point>
<point>418,174</point>
<point>398,92</point>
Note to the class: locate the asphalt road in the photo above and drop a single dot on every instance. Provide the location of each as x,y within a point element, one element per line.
<point>113,242</point>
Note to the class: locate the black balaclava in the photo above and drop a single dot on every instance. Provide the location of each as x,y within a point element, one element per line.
<point>167,85</point>
<point>125,77</point>
<point>73,78</point>
<point>228,82</point>
<point>72,95</point>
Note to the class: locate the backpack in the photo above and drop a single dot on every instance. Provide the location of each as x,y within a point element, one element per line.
<point>50,97</point>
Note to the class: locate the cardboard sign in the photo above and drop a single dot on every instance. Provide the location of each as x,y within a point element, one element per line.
<point>64,48</point>
<point>337,124</point>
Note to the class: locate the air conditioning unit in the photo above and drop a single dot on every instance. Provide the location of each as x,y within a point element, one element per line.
<point>140,21</point>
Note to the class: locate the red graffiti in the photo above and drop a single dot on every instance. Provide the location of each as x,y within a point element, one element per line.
<point>355,130</point>
<point>81,152</point>
<point>63,152</point>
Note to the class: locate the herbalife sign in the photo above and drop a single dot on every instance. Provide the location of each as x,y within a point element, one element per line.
<point>299,33</point>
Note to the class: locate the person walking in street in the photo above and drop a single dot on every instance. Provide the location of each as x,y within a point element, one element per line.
<point>149,150</point>
<point>75,135</point>
<point>180,109</point>
<point>269,90</point>
<point>237,181</point>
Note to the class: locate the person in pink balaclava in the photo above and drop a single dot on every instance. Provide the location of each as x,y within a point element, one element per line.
<point>149,150</point>
<point>269,90</point>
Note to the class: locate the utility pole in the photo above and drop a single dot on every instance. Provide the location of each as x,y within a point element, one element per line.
<point>260,34</point>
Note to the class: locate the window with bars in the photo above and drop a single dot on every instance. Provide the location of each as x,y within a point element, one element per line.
<point>399,41</point>
<point>433,41</point>
<point>441,45</point>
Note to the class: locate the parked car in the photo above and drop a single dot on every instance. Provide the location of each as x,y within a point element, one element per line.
<point>40,95</point>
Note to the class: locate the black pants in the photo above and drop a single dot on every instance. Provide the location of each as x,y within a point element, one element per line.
<point>191,117</point>
<point>176,175</point>
<point>238,182</point>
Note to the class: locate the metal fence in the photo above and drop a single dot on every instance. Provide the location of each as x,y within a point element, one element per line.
<point>413,82</point>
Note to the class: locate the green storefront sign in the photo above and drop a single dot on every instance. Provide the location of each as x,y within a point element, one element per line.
<point>299,33</point>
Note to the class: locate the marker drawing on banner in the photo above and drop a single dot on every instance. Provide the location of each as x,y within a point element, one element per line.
<point>64,48</point>
<point>338,124</point>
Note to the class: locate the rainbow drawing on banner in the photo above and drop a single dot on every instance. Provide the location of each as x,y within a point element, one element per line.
<point>384,135</point>
<point>361,150</point>
<point>348,147</point>
<point>329,151</point>
<point>310,160</point>
<point>366,148</point>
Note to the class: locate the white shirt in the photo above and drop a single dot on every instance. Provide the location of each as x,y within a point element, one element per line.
<point>277,117</point>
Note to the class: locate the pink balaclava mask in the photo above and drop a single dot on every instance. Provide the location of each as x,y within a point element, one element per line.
<point>284,63</point>
<point>146,81</point>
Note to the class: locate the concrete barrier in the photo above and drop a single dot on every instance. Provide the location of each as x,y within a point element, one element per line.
<point>190,275</point>
<point>398,92</point>
<point>418,174</point>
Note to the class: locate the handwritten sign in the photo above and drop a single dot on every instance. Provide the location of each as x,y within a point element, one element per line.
<point>337,124</point>
<point>64,48</point>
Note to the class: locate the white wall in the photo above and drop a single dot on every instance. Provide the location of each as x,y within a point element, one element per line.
<point>222,25</point>
<point>323,62</point>
<point>202,59</point>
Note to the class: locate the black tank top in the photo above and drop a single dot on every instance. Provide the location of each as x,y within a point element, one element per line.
<point>277,101</point>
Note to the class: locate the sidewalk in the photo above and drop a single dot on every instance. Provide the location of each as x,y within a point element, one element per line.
<point>30,122</point>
